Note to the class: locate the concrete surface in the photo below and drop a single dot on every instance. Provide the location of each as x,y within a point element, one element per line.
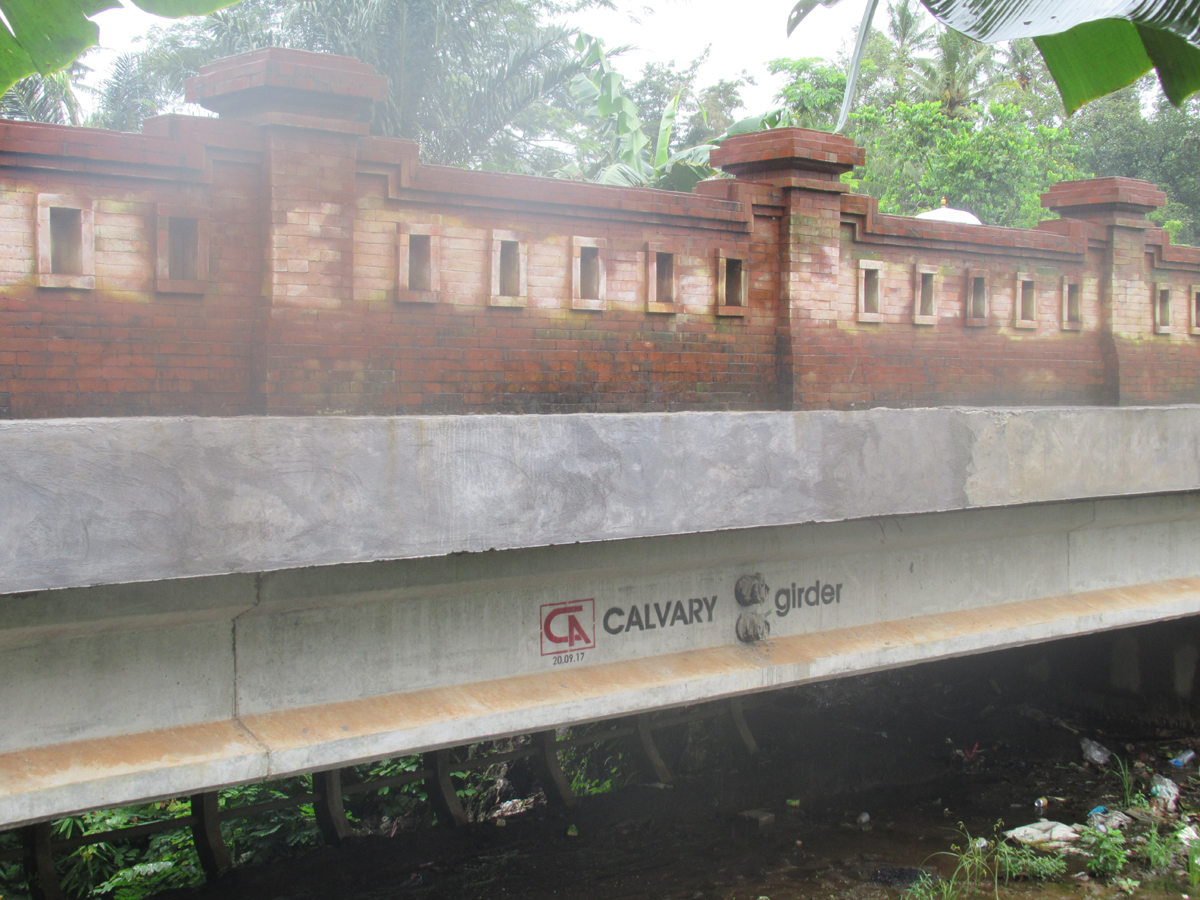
<point>110,697</point>
<point>107,501</point>
<point>190,603</point>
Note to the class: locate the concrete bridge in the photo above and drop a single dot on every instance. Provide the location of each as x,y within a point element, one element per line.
<point>197,602</point>
<point>718,507</point>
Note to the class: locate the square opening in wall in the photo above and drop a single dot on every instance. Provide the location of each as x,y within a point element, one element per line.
<point>979,297</point>
<point>1074,313</point>
<point>926,299</point>
<point>1164,308</point>
<point>183,246</point>
<point>66,241</point>
<point>733,283</point>
<point>420,267</point>
<point>589,273</point>
<point>871,291</point>
<point>664,285</point>
<point>1195,309</point>
<point>1027,301</point>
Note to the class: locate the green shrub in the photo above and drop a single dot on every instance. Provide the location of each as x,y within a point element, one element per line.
<point>1105,851</point>
<point>1025,862</point>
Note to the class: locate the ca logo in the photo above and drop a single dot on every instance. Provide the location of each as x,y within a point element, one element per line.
<point>568,626</point>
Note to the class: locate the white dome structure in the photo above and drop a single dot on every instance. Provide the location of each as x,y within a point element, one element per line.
<point>946,213</point>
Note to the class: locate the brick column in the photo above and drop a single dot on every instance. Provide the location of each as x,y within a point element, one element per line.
<point>806,165</point>
<point>312,109</point>
<point>1114,210</point>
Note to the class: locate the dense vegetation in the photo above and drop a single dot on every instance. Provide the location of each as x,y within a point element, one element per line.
<point>131,870</point>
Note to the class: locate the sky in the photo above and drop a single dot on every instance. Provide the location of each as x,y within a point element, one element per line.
<point>660,30</point>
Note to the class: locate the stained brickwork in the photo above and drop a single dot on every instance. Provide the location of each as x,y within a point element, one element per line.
<point>279,260</point>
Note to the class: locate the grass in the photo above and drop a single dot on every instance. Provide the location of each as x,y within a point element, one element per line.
<point>1013,862</point>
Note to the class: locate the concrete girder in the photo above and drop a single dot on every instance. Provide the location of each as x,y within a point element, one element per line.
<point>124,691</point>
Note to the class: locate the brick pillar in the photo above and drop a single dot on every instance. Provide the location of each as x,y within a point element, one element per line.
<point>1114,210</point>
<point>806,166</point>
<point>312,109</point>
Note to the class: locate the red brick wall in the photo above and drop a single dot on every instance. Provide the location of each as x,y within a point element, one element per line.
<point>304,310</point>
<point>122,349</point>
<point>375,354</point>
<point>845,363</point>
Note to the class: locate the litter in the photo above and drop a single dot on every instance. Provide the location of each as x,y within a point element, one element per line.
<point>1108,821</point>
<point>1094,752</point>
<point>1045,835</point>
<point>1164,794</point>
<point>1183,758</point>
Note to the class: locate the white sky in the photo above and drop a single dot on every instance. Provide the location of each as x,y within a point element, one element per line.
<point>663,30</point>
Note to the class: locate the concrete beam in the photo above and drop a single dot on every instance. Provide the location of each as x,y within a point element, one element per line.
<point>112,501</point>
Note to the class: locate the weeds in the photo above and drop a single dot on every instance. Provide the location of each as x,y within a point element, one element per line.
<point>973,868</point>
<point>1106,851</point>
<point>1157,852</point>
<point>1193,865</point>
<point>1025,862</point>
<point>1128,781</point>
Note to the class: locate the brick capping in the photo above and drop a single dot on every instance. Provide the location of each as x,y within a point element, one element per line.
<point>278,259</point>
<point>761,155</point>
<point>1100,197</point>
<point>276,80</point>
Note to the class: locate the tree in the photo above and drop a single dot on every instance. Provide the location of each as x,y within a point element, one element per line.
<point>813,92</point>
<point>700,113</point>
<point>1137,134</point>
<point>43,98</point>
<point>616,148</point>
<point>43,37</point>
<point>463,74</point>
<point>1089,49</point>
<point>957,75</point>
<point>990,162</point>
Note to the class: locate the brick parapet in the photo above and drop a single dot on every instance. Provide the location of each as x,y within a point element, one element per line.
<point>303,306</point>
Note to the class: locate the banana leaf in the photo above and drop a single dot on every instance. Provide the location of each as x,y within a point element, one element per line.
<point>44,36</point>
<point>1091,47</point>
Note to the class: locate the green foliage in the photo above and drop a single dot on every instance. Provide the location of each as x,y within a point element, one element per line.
<point>258,839</point>
<point>1013,862</point>
<point>134,869</point>
<point>1157,852</point>
<point>46,36</point>
<point>995,163</point>
<point>44,98</point>
<point>813,92</point>
<point>129,95</point>
<point>1127,780</point>
<point>1192,866</point>
<point>622,152</point>
<point>473,80</point>
<point>701,114</point>
<point>1139,134</point>
<point>1090,49</point>
<point>393,801</point>
<point>123,870</point>
<point>595,768</point>
<point>973,868</point>
<point>1106,853</point>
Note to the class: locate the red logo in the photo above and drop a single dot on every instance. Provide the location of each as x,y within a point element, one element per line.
<point>568,626</point>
